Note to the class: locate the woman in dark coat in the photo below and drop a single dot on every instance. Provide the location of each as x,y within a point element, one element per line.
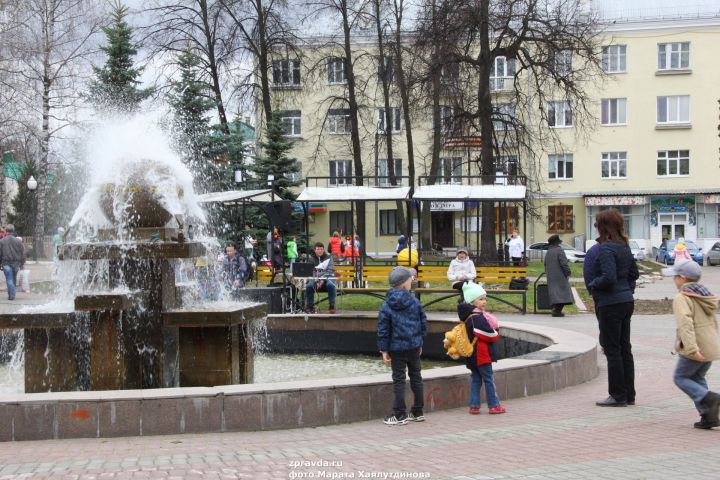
<point>612,283</point>
<point>558,272</point>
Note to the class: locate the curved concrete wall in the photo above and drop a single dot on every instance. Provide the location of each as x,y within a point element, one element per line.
<point>569,359</point>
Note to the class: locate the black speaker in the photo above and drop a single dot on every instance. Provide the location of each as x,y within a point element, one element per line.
<point>280,215</point>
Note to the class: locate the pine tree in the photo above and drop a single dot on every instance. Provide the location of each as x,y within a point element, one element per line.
<point>276,161</point>
<point>191,100</point>
<point>116,85</point>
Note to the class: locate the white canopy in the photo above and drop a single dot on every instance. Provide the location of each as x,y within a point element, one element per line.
<point>350,192</point>
<point>236,195</point>
<point>470,192</point>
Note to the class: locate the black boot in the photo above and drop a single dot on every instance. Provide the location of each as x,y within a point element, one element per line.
<point>705,424</point>
<point>557,310</point>
<point>711,401</point>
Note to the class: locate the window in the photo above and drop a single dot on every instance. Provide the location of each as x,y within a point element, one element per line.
<point>292,123</point>
<point>383,172</point>
<point>614,59</point>
<point>450,125</point>
<point>560,166</point>
<point>340,172</point>
<point>673,56</point>
<point>674,109</point>
<point>340,221</point>
<point>338,121</point>
<point>559,114</point>
<point>673,163</point>
<point>336,70</point>
<point>613,111</point>
<point>560,218</point>
<point>504,116</point>
<point>450,170</point>
<point>286,73</point>
<point>506,169</point>
<point>562,62</point>
<point>502,73</point>
<point>614,165</point>
<point>394,119</point>
<point>389,222</point>
<point>509,219</point>
<point>389,69</point>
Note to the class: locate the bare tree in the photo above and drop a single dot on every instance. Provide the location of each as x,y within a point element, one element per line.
<point>555,46</point>
<point>264,33</point>
<point>50,49</point>
<point>202,26</point>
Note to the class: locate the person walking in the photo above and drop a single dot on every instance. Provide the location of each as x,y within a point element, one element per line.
<point>250,243</point>
<point>612,284</point>
<point>696,341</point>
<point>292,252</point>
<point>12,258</point>
<point>516,247</point>
<point>401,329</point>
<point>558,273</point>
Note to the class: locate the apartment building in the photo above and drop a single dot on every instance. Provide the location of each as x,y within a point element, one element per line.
<point>653,152</point>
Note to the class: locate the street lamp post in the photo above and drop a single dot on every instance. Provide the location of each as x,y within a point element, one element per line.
<point>32,186</point>
<point>271,184</point>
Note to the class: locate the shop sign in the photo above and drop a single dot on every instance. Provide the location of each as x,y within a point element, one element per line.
<point>672,204</point>
<point>446,206</point>
<point>713,198</point>
<point>614,200</point>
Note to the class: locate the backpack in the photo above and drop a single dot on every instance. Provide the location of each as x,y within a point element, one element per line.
<point>457,343</point>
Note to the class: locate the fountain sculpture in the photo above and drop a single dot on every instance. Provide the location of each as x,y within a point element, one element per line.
<point>128,327</point>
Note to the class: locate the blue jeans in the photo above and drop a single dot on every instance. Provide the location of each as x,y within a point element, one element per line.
<point>328,286</point>
<point>400,362</point>
<point>689,376</point>
<point>10,275</point>
<point>483,374</point>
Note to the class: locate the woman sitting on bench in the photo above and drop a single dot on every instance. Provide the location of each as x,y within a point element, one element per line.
<point>461,269</point>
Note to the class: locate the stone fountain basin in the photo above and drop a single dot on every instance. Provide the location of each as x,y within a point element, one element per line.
<point>568,359</point>
<point>135,250</point>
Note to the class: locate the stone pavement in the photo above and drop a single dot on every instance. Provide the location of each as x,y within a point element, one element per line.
<point>561,435</point>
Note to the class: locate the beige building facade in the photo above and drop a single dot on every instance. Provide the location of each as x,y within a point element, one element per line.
<point>653,151</point>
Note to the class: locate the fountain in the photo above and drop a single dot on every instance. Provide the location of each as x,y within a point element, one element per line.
<point>128,326</point>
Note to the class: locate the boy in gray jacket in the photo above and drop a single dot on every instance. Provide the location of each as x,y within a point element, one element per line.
<point>697,340</point>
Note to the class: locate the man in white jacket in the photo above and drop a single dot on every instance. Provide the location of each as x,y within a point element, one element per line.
<point>461,269</point>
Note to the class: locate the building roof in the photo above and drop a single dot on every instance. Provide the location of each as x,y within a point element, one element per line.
<point>470,192</point>
<point>351,193</point>
<point>236,195</point>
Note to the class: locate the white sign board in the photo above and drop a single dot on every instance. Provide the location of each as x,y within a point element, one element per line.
<point>446,206</point>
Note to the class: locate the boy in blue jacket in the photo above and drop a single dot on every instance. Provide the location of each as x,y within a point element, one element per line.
<point>401,327</point>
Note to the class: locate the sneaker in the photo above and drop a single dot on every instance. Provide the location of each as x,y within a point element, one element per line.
<point>396,420</point>
<point>332,311</point>
<point>496,410</point>
<point>474,410</point>
<point>416,417</point>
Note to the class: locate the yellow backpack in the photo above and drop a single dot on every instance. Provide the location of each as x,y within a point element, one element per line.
<point>457,343</point>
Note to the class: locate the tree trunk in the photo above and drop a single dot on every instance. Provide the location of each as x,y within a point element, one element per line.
<point>217,92</point>
<point>488,249</point>
<point>3,209</point>
<point>354,125</point>
<point>263,65</point>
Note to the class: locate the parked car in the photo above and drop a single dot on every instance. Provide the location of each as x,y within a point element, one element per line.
<point>665,252</point>
<point>713,255</point>
<point>637,251</point>
<point>537,250</point>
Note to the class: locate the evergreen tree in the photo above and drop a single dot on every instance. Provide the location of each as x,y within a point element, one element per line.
<point>116,85</point>
<point>191,100</point>
<point>275,160</point>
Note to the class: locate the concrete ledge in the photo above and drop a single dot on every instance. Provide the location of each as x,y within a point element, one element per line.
<point>568,359</point>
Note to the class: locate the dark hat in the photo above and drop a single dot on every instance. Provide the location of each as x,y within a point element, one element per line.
<point>554,239</point>
<point>400,275</point>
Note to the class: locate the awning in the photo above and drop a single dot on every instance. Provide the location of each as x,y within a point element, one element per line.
<point>236,195</point>
<point>350,193</point>
<point>470,192</point>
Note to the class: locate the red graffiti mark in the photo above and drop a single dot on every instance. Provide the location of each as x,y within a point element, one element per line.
<point>448,397</point>
<point>80,414</point>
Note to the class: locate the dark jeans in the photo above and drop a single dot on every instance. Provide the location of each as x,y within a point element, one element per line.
<point>614,322</point>
<point>407,360</point>
<point>328,286</point>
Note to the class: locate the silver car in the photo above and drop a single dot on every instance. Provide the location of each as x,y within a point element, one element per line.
<point>637,251</point>
<point>713,255</point>
<point>538,250</point>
